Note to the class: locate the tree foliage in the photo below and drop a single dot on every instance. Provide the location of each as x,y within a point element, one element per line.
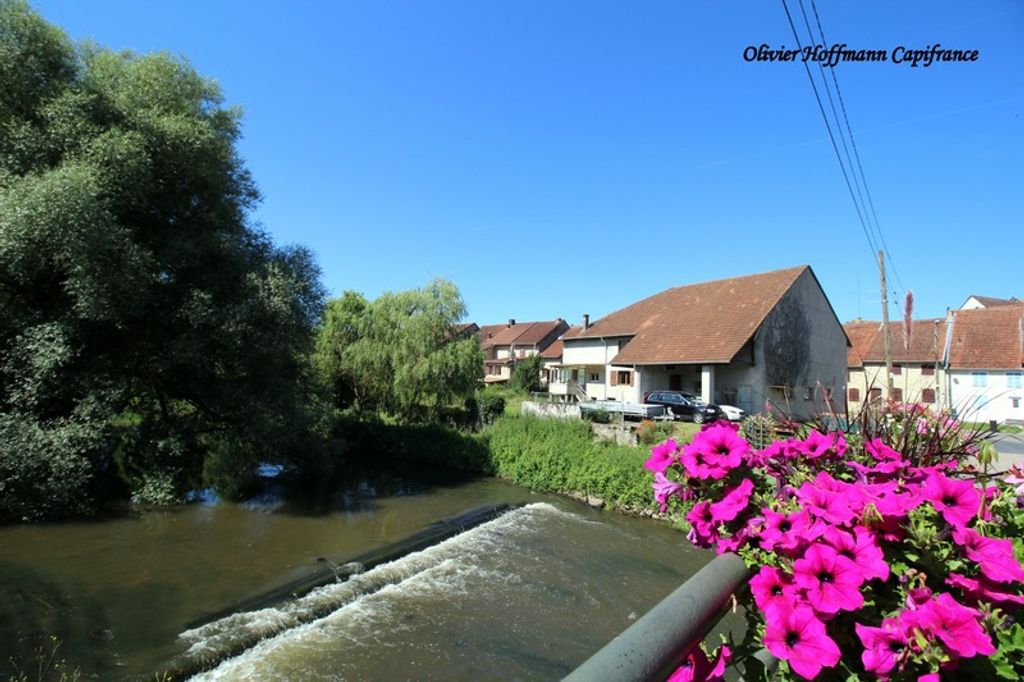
<point>142,313</point>
<point>400,353</point>
<point>526,374</point>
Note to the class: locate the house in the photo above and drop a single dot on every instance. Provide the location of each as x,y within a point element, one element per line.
<point>741,341</point>
<point>984,359</point>
<point>504,344</point>
<point>917,368</point>
<point>975,302</point>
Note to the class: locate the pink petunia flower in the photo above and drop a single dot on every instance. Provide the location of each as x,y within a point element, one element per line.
<point>829,499</point>
<point>714,452</point>
<point>883,647</point>
<point>994,556</point>
<point>796,635</point>
<point>832,582</point>
<point>958,626</point>
<point>772,587</point>
<point>957,501</point>
<point>733,502</point>
<point>662,456</point>
<point>979,590</point>
<point>789,531</point>
<point>818,445</point>
<point>702,524</point>
<point>698,668</point>
<point>664,489</point>
<point>882,452</point>
<point>860,548</point>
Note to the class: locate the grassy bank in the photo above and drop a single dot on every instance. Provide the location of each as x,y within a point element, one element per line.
<point>561,456</point>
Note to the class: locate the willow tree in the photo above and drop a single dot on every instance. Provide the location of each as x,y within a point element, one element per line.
<point>143,316</point>
<point>400,354</point>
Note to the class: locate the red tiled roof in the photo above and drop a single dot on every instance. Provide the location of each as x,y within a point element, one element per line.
<point>987,338</point>
<point>993,302</point>
<point>554,351</point>
<point>707,322</point>
<point>488,331</point>
<point>868,343</point>
<point>466,328</point>
<point>524,333</point>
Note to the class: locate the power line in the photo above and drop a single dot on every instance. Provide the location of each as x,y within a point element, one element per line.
<point>828,127</point>
<point>853,142</point>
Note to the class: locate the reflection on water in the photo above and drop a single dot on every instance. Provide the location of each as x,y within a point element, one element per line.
<point>530,594</point>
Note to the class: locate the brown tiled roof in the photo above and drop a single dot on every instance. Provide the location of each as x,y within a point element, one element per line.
<point>707,322</point>
<point>525,333</point>
<point>987,338</point>
<point>488,331</point>
<point>993,302</point>
<point>466,328</point>
<point>868,343</point>
<point>554,351</point>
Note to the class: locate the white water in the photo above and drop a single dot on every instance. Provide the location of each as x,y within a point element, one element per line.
<point>521,596</point>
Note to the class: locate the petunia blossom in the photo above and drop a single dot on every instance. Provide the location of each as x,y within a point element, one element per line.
<point>789,531</point>
<point>698,668</point>
<point>883,646</point>
<point>860,548</point>
<point>665,489</point>
<point>995,557</point>
<point>797,636</point>
<point>829,499</point>
<point>832,582</point>
<point>662,456</point>
<point>714,452</point>
<point>956,625</point>
<point>980,589</point>
<point>735,500</point>
<point>772,587</point>
<point>957,501</point>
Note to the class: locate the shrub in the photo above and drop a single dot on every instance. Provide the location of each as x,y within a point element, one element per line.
<point>491,406</point>
<point>758,429</point>
<point>598,416</point>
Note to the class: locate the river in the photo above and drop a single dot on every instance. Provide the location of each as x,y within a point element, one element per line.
<point>528,595</point>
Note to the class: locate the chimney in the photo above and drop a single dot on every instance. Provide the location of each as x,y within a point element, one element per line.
<point>586,321</point>
<point>511,322</point>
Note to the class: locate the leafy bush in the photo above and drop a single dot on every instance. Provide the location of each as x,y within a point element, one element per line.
<point>758,429</point>
<point>560,456</point>
<point>883,556</point>
<point>598,416</point>
<point>413,449</point>
<point>526,374</point>
<point>491,406</point>
<point>650,432</point>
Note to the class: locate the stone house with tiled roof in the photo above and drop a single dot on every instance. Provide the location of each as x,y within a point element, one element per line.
<point>505,344</point>
<point>917,369</point>
<point>984,363</point>
<point>742,341</point>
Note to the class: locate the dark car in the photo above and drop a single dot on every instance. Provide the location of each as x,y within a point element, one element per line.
<point>679,405</point>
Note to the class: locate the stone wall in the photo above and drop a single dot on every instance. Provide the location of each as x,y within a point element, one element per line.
<point>551,410</point>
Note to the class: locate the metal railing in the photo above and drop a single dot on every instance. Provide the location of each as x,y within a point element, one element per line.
<point>659,642</point>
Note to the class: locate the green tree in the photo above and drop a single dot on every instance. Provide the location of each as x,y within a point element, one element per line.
<point>142,314</point>
<point>399,354</point>
<point>526,374</point>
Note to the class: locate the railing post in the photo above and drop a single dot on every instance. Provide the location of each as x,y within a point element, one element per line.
<point>655,645</point>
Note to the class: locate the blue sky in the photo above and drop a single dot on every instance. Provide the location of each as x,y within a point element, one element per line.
<point>557,158</point>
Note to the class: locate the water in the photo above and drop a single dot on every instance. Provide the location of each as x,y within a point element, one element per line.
<point>526,596</point>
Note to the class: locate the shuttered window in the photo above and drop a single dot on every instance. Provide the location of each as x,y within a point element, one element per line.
<point>854,395</point>
<point>928,395</point>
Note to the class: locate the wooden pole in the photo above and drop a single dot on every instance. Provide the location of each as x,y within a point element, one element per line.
<point>886,336</point>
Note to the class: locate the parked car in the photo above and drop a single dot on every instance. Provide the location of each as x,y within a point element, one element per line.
<point>679,405</point>
<point>733,413</point>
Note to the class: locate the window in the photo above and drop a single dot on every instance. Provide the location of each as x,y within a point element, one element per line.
<point>928,370</point>
<point>808,392</point>
<point>897,368</point>
<point>875,394</point>
<point>980,379</point>
<point>854,395</point>
<point>622,378</point>
<point>1013,379</point>
<point>897,395</point>
<point>1015,403</point>
<point>928,395</point>
<point>594,376</point>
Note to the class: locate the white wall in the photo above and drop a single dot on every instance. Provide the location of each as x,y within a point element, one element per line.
<point>994,401</point>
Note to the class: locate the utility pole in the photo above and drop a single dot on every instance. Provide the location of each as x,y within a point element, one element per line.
<point>886,336</point>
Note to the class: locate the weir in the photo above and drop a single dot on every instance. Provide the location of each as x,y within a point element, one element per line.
<point>193,663</point>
